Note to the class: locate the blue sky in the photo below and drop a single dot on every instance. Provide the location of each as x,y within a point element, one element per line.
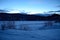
<point>34,6</point>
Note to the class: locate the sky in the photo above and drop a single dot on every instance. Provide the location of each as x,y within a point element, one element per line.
<point>30,6</point>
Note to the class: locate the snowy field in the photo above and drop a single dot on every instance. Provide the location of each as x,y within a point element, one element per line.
<point>35,30</point>
<point>53,34</point>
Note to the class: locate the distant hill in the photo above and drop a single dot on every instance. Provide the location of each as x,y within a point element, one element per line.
<point>26,17</point>
<point>43,14</point>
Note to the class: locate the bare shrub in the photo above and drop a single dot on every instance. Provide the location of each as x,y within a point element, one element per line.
<point>3,27</point>
<point>11,27</point>
<point>24,27</point>
<point>47,25</point>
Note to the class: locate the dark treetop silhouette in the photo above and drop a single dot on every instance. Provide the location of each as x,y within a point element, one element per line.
<point>26,17</point>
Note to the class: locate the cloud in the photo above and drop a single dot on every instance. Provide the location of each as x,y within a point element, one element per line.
<point>58,6</point>
<point>55,11</point>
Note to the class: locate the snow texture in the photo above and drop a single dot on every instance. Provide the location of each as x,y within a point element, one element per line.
<point>32,30</point>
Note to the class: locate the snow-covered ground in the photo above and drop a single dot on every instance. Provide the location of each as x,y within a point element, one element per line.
<point>31,30</point>
<point>52,34</point>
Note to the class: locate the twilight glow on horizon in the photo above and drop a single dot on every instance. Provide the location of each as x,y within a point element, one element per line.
<point>31,6</point>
